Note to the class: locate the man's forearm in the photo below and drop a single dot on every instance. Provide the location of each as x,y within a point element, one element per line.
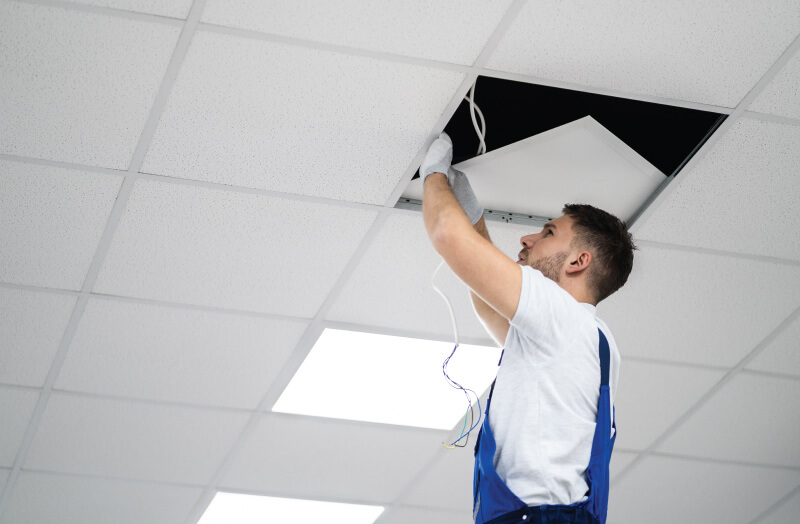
<point>481,307</point>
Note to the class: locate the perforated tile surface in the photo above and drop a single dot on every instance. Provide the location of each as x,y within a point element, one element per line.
<point>78,103</point>
<point>267,115</point>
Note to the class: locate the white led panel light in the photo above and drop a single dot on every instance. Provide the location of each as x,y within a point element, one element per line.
<point>387,379</point>
<point>233,508</point>
<point>578,163</point>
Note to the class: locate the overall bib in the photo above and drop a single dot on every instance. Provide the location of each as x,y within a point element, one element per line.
<point>493,501</point>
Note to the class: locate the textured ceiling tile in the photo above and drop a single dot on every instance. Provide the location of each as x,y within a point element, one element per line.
<point>404,515</point>
<point>51,221</point>
<point>782,354</point>
<point>413,28</point>
<point>31,327</point>
<point>448,484</point>
<point>16,407</point>
<point>163,353</point>
<point>232,250</point>
<point>648,403</point>
<point>324,459</point>
<point>130,440</point>
<point>272,116</point>
<point>391,286</point>
<point>782,95</point>
<point>668,490</point>
<point>698,308</point>
<point>786,512</point>
<point>78,87</point>
<point>706,52</point>
<point>170,8</point>
<point>619,461</point>
<point>56,499</point>
<point>752,419</point>
<point>4,474</point>
<point>741,197</point>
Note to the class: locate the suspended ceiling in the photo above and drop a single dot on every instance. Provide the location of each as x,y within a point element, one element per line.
<point>190,192</point>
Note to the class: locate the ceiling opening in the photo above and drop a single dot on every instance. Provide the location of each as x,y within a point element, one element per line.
<point>656,138</point>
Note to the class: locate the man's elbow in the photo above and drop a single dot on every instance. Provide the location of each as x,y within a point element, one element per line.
<point>443,235</point>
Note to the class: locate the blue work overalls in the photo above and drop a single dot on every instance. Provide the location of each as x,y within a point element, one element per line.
<point>494,503</point>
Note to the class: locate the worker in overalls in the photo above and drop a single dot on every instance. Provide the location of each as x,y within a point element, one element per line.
<point>545,444</point>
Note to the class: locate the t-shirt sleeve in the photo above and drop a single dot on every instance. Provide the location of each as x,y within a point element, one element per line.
<point>545,314</point>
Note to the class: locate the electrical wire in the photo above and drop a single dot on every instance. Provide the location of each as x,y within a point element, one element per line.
<point>473,109</point>
<point>452,383</point>
<point>473,422</point>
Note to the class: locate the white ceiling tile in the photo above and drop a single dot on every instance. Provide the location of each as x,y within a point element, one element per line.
<point>412,28</point>
<point>57,499</point>
<point>266,115</point>
<point>391,286</point>
<point>93,81</point>
<point>32,324</point>
<point>4,474</point>
<point>782,354</point>
<point>741,197</point>
<point>619,461</point>
<point>170,8</point>
<point>782,95</point>
<point>163,353</point>
<point>699,308</point>
<point>448,484</point>
<point>404,515</point>
<point>667,490</point>
<point>132,440</point>
<point>786,512</point>
<point>16,406</point>
<point>706,52</point>
<point>751,418</point>
<point>647,402</point>
<point>323,459</point>
<point>51,221</point>
<point>227,249</point>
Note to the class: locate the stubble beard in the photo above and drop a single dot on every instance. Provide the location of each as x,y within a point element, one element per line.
<point>550,266</point>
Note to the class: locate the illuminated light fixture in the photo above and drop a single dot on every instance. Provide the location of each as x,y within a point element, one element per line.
<point>234,508</point>
<point>387,379</point>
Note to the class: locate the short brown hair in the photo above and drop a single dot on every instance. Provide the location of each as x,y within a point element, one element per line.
<point>610,243</point>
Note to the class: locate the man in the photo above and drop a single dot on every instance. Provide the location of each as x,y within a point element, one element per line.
<point>542,455</point>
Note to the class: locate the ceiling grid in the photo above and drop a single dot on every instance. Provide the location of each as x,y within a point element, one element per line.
<point>22,474</point>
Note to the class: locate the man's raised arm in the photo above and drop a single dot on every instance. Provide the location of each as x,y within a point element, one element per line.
<point>449,209</point>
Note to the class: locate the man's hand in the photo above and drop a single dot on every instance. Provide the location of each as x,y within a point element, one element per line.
<point>464,194</point>
<point>437,160</point>
<point>438,157</point>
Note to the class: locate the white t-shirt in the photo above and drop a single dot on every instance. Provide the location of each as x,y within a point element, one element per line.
<point>544,406</point>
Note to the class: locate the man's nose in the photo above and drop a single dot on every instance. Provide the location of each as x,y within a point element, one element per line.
<point>528,240</point>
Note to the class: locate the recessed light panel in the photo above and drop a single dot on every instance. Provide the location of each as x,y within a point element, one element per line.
<point>387,379</point>
<point>580,162</point>
<point>234,508</point>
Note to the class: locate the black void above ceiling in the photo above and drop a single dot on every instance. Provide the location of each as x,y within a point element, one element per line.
<point>667,136</point>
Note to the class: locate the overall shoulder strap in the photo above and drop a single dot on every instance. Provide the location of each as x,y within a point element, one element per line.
<point>605,358</point>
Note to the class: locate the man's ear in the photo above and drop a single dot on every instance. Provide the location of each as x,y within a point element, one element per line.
<point>580,262</point>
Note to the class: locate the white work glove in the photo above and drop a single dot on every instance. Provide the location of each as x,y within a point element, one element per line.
<point>464,194</point>
<point>438,157</point>
<point>437,160</point>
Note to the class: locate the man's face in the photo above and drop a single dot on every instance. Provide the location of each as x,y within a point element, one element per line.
<point>548,251</point>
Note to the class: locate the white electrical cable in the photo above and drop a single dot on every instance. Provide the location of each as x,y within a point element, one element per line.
<point>480,130</point>
<point>447,300</point>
